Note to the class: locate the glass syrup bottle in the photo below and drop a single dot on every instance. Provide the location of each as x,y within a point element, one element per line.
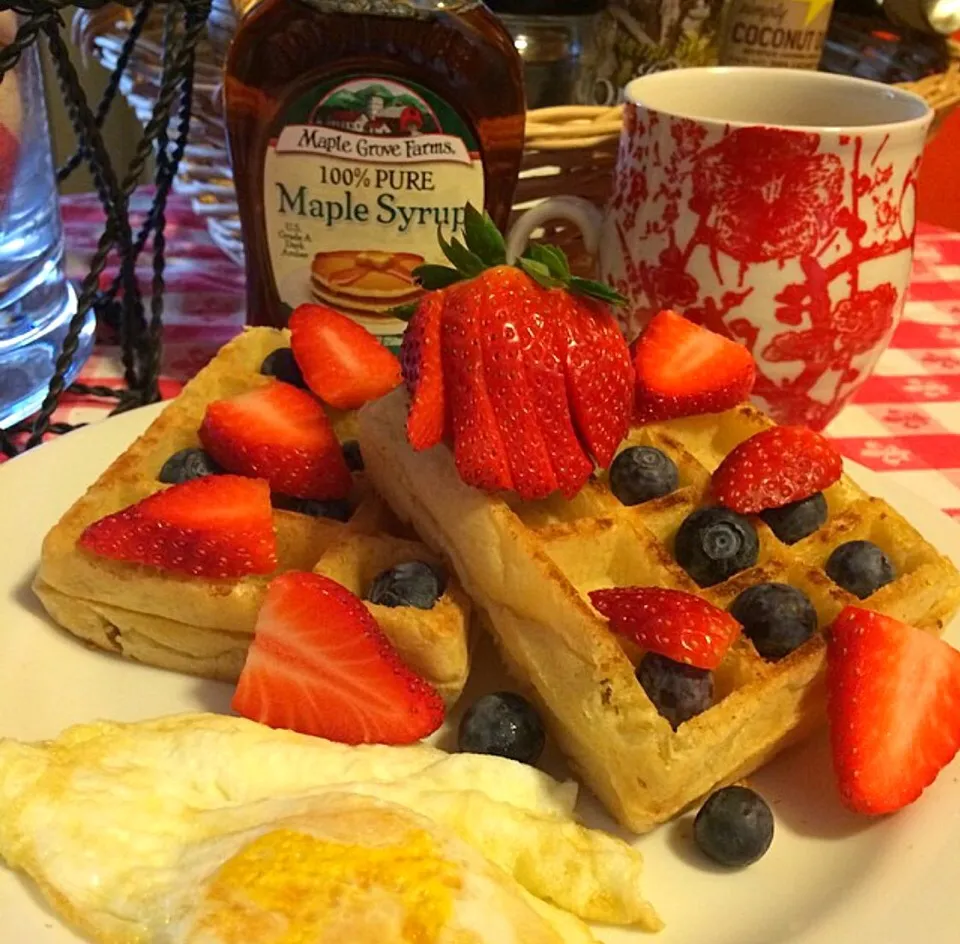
<point>357,128</point>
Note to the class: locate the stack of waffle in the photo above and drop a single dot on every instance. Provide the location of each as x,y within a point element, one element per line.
<point>204,626</point>
<point>530,565</point>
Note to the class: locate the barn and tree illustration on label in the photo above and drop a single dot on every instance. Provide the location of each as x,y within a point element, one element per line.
<point>360,174</point>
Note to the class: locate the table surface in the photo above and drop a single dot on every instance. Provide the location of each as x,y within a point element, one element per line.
<point>904,422</point>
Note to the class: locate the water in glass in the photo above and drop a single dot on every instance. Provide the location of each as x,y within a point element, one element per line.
<point>37,302</point>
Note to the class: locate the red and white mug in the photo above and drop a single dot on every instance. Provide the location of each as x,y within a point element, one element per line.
<point>773,205</point>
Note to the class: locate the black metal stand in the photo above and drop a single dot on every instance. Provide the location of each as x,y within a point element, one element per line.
<point>120,306</point>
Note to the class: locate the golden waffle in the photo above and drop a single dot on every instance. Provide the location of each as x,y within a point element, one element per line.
<point>529,566</point>
<point>203,626</point>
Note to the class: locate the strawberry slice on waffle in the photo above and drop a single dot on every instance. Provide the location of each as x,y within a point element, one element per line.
<point>319,664</point>
<point>684,369</point>
<point>218,526</point>
<point>281,434</point>
<point>342,363</point>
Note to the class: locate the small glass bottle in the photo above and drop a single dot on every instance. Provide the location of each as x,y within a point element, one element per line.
<point>357,129</point>
<point>787,34</point>
<point>555,39</point>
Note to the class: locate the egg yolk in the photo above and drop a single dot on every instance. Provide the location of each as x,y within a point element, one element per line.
<point>288,887</point>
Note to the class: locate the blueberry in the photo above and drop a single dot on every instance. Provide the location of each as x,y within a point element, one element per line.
<point>678,691</point>
<point>282,365</point>
<point>797,520</point>
<point>734,827</point>
<point>412,583</point>
<point>353,456</point>
<point>641,473</point>
<point>860,567</point>
<point>778,618</point>
<point>335,508</point>
<point>188,464</point>
<point>505,724</point>
<point>714,544</point>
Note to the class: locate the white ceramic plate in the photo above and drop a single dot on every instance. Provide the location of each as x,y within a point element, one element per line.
<point>829,878</point>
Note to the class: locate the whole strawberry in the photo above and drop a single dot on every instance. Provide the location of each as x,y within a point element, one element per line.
<point>521,368</point>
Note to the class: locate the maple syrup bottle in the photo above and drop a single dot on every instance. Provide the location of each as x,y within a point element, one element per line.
<point>357,129</point>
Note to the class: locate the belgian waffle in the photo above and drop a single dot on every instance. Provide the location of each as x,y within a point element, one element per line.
<point>530,565</point>
<point>201,626</point>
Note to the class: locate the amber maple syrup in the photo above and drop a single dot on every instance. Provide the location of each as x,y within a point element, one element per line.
<point>357,128</point>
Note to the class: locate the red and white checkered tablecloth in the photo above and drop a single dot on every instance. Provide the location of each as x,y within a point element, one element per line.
<point>904,423</point>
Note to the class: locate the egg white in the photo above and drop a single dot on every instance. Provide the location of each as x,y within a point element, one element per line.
<point>104,817</point>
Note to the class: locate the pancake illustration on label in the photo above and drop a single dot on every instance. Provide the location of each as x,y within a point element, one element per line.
<point>360,175</point>
<point>365,284</point>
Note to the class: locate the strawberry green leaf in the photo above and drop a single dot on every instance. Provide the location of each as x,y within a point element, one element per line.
<point>598,290</point>
<point>432,276</point>
<point>467,263</point>
<point>552,257</point>
<point>483,247</point>
<point>539,272</point>
<point>483,238</point>
<point>404,312</point>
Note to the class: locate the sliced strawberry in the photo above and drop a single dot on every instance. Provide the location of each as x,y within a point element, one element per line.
<point>477,447</point>
<point>678,625</point>
<point>599,375</point>
<point>342,362</point>
<point>320,665</point>
<point>775,467</point>
<point>423,373</point>
<point>503,337</point>
<point>894,709</point>
<point>215,526</point>
<point>281,434</point>
<point>684,369</point>
<point>521,327</point>
<point>544,363</point>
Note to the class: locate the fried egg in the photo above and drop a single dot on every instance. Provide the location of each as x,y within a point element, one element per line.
<point>204,829</point>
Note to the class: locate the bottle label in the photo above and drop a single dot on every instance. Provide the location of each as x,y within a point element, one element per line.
<point>788,33</point>
<point>632,38</point>
<point>360,174</point>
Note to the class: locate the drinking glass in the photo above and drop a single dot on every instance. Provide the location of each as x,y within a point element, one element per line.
<point>36,300</point>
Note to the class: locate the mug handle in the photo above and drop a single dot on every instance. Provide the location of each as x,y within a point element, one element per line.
<point>577,210</point>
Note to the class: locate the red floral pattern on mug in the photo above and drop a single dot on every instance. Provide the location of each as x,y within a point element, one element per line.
<point>767,194</point>
<point>668,284</point>
<point>770,236</point>
<point>864,319</point>
<point>630,179</point>
<point>854,326</point>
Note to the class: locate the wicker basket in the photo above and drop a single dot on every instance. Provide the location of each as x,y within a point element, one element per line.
<point>568,149</point>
